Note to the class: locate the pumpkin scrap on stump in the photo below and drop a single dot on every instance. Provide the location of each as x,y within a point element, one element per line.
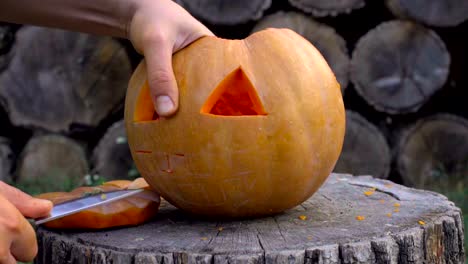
<point>129,211</point>
<point>260,126</point>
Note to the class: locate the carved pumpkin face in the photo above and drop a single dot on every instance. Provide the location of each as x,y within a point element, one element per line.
<point>259,128</point>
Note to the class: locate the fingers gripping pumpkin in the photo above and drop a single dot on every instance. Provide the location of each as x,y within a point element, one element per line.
<point>132,210</point>
<point>260,126</point>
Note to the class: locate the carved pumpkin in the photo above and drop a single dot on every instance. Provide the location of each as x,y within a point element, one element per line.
<point>133,210</point>
<point>259,128</point>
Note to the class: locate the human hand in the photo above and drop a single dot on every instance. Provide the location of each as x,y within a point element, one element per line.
<point>17,237</point>
<point>157,30</point>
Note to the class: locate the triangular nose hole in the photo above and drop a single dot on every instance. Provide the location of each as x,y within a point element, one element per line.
<point>234,96</point>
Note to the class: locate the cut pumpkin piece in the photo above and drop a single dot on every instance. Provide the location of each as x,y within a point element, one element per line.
<point>133,210</point>
<point>234,96</point>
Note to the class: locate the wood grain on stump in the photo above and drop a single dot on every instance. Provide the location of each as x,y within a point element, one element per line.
<point>324,38</point>
<point>111,157</point>
<point>59,78</point>
<point>324,229</point>
<point>434,12</point>
<point>398,66</point>
<point>51,163</point>
<point>226,12</point>
<point>433,153</point>
<point>320,8</point>
<point>365,149</point>
<point>6,159</point>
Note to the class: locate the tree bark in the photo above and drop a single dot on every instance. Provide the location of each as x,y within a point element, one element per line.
<point>324,38</point>
<point>433,153</point>
<point>51,163</point>
<point>441,13</point>
<point>320,8</point>
<point>398,66</point>
<point>58,78</point>
<point>226,12</point>
<point>6,159</point>
<point>365,149</point>
<point>111,157</point>
<point>325,229</point>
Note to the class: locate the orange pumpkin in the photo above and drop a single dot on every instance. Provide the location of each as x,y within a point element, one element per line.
<point>260,126</point>
<point>133,210</point>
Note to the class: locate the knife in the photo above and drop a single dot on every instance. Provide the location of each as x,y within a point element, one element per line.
<point>87,202</point>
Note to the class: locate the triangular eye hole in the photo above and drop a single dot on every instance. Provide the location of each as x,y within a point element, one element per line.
<point>234,96</point>
<point>144,110</point>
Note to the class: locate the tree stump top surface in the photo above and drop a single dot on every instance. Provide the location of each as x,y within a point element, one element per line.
<point>324,229</point>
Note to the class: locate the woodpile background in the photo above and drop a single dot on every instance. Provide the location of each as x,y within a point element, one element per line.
<point>402,65</point>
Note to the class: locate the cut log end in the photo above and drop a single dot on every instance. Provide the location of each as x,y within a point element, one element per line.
<point>6,159</point>
<point>51,163</point>
<point>443,13</point>
<point>321,8</point>
<point>7,37</point>
<point>365,149</point>
<point>331,45</point>
<point>59,78</point>
<point>398,66</point>
<point>433,153</point>
<point>226,12</point>
<point>339,224</point>
<point>111,157</point>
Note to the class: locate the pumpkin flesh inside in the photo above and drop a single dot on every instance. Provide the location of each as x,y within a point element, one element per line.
<point>234,96</point>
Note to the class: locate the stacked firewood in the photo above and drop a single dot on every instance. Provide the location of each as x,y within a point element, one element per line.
<point>400,63</point>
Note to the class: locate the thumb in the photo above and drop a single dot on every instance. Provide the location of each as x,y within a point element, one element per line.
<point>26,204</point>
<point>161,79</point>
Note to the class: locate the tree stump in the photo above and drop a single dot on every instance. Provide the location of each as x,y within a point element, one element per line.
<point>324,38</point>
<point>398,66</point>
<point>111,157</point>
<point>365,149</point>
<point>320,8</point>
<point>435,12</point>
<point>59,78</point>
<point>226,12</point>
<point>433,153</point>
<point>6,159</point>
<point>339,224</point>
<point>51,163</point>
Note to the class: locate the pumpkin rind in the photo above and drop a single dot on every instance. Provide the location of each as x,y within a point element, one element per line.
<point>133,210</point>
<point>238,166</point>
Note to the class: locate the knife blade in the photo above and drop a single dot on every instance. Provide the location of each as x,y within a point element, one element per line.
<point>87,202</point>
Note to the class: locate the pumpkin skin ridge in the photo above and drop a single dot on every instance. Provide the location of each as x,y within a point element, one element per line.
<point>145,140</point>
<point>325,98</point>
<point>323,106</point>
